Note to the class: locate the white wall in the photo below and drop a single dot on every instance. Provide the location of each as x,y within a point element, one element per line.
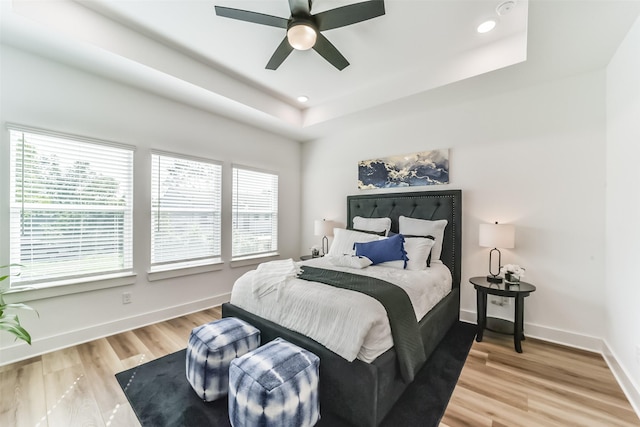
<point>40,93</point>
<point>532,157</point>
<point>623,210</point>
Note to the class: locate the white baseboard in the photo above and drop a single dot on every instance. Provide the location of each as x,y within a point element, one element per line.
<point>558,336</point>
<point>21,351</point>
<point>468,316</point>
<point>583,342</point>
<point>630,389</point>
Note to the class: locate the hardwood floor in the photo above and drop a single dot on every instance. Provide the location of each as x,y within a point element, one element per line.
<point>76,386</point>
<point>547,385</point>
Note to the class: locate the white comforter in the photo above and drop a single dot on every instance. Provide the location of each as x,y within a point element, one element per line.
<point>348,323</point>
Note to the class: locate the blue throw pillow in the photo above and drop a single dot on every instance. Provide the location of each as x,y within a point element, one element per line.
<point>378,251</point>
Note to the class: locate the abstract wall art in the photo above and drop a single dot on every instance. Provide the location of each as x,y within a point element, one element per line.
<point>424,168</point>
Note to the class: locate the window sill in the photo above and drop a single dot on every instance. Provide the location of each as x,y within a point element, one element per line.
<point>68,287</point>
<point>253,260</point>
<point>172,271</point>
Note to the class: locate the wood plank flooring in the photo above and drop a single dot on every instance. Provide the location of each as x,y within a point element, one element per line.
<point>547,385</point>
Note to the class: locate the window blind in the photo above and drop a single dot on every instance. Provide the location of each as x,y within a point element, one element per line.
<point>70,207</point>
<point>254,212</point>
<point>185,210</point>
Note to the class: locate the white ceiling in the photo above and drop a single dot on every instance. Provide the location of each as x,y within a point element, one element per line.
<point>416,52</point>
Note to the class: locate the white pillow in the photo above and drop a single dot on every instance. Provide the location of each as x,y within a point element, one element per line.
<point>418,250</point>
<point>352,261</point>
<point>372,224</point>
<point>343,241</point>
<point>424,227</point>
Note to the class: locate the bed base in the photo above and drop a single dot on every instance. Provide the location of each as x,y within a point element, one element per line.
<point>362,393</point>
<point>359,393</point>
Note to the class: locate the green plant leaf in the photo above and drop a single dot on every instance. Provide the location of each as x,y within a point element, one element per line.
<point>10,318</point>
<point>11,324</point>
<point>18,306</point>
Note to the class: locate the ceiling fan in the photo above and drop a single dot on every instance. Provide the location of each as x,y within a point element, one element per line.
<point>304,29</point>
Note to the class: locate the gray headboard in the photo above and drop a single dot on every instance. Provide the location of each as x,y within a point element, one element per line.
<point>431,205</point>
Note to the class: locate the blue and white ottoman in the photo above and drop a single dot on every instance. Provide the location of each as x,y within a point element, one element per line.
<point>211,349</point>
<point>274,386</point>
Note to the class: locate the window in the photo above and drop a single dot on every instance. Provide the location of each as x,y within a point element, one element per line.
<point>255,212</point>
<point>70,206</point>
<point>185,211</point>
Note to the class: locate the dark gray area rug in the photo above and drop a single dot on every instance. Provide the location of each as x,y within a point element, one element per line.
<point>161,396</point>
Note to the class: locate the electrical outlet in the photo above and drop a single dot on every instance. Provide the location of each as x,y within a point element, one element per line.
<point>501,301</point>
<point>497,300</point>
<point>126,297</point>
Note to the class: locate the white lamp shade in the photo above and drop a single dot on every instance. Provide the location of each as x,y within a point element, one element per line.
<point>497,236</point>
<point>323,228</point>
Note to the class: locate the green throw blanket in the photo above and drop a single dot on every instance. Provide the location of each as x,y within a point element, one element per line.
<point>404,327</point>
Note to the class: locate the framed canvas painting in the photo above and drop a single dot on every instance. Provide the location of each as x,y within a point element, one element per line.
<point>424,168</point>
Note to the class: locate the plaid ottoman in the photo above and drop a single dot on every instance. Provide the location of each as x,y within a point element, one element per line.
<point>211,349</point>
<point>274,386</point>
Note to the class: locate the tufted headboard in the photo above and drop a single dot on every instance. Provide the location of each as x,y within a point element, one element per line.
<point>431,205</point>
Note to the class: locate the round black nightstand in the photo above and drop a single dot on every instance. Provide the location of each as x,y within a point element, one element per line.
<point>517,291</point>
<point>306,257</point>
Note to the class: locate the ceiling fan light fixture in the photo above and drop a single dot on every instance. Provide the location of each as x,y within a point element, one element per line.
<point>304,29</point>
<point>302,36</point>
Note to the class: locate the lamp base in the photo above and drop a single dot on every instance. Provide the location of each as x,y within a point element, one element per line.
<point>325,243</point>
<point>494,279</point>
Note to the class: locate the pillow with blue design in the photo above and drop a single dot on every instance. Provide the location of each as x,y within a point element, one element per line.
<point>384,250</point>
<point>414,255</point>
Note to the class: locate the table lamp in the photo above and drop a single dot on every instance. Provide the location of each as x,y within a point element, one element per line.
<point>496,236</point>
<point>323,228</point>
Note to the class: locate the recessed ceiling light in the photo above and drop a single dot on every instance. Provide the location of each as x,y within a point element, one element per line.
<point>487,26</point>
<point>302,98</point>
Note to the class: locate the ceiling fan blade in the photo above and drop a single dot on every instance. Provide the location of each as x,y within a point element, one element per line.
<point>300,7</point>
<point>255,17</point>
<point>330,53</point>
<point>350,14</point>
<point>281,53</point>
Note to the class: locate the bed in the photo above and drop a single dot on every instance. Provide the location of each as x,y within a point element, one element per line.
<point>359,392</point>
